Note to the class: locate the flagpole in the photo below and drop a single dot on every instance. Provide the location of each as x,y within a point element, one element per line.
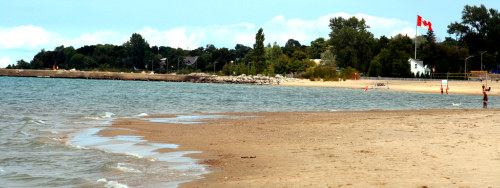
<point>416,39</point>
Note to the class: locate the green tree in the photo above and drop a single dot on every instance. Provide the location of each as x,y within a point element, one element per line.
<point>328,58</point>
<point>291,46</point>
<point>479,29</point>
<point>402,43</point>
<point>21,64</point>
<point>430,36</point>
<point>258,54</point>
<point>390,63</point>
<point>275,53</point>
<point>241,50</point>
<point>82,62</point>
<point>137,47</point>
<point>352,42</point>
<point>317,47</point>
<point>380,44</point>
<point>299,55</point>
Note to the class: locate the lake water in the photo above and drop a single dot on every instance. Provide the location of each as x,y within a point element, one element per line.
<point>47,125</point>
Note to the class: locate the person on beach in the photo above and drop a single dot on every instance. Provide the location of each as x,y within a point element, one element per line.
<point>441,89</point>
<point>447,88</point>
<point>484,88</point>
<point>485,100</point>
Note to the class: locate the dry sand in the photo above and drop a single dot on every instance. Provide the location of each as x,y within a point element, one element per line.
<point>455,86</point>
<point>432,148</point>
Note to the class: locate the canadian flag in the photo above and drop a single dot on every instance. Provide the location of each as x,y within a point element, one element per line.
<point>426,23</point>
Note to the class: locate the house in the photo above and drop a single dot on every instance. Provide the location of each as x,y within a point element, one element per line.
<point>417,67</point>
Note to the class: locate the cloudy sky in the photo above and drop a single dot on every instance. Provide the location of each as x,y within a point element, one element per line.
<point>27,26</point>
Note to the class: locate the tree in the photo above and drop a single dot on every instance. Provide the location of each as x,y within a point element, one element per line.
<point>258,54</point>
<point>479,28</point>
<point>21,64</point>
<point>328,58</point>
<point>299,55</point>
<point>291,46</point>
<point>352,43</point>
<point>82,62</point>
<point>317,47</point>
<point>275,53</point>
<point>402,43</point>
<point>380,44</point>
<point>43,59</point>
<point>393,60</point>
<point>430,36</point>
<point>241,50</point>
<point>137,48</point>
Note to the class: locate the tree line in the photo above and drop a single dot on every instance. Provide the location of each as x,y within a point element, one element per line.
<point>350,49</point>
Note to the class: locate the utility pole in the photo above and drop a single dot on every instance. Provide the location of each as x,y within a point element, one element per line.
<point>465,67</point>
<point>482,60</point>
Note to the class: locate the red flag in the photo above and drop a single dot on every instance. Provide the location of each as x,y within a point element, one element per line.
<point>426,23</point>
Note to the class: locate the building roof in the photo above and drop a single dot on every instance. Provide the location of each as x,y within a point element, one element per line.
<point>190,60</point>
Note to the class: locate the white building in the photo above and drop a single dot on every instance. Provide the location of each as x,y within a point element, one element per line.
<point>417,67</point>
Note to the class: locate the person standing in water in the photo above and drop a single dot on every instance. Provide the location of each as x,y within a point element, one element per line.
<point>485,100</point>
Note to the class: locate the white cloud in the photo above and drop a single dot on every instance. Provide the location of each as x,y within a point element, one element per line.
<point>30,37</point>
<point>280,30</point>
<point>99,37</point>
<point>176,37</point>
<point>5,61</point>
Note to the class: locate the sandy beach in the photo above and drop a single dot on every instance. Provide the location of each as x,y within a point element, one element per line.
<point>455,86</point>
<point>422,148</point>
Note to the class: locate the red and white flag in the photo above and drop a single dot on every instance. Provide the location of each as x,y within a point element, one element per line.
<point>424,23</point>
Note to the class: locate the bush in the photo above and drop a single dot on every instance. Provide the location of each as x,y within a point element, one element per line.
<point>327,73</point>
<point>347,73</point>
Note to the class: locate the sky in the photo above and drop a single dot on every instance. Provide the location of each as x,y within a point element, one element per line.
<point>28,26</point>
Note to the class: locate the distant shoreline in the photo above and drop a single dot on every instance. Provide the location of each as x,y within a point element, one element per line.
<point>194,78</point>
<point>455,87</point>
<point>99,75</point>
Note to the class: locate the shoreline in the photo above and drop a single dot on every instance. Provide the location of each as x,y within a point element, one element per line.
<point>432,86</point>
<point>433,148</point>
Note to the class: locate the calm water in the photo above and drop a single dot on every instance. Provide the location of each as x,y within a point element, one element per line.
<point>47,125</point>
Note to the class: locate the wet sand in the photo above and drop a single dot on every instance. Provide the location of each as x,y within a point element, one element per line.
<point>433,148</point>
<point>455,87</point>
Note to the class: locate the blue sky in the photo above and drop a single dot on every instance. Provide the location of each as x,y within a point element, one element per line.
<point>27,26</point>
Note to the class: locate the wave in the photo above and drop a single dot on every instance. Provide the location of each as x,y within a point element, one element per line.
<point>110,184</point>
<point>39,122</point>
<point>152,159</point>
<point>107,115</point>
<point>142,114</point>
<point>122,168</point>
<point>63,141</point>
